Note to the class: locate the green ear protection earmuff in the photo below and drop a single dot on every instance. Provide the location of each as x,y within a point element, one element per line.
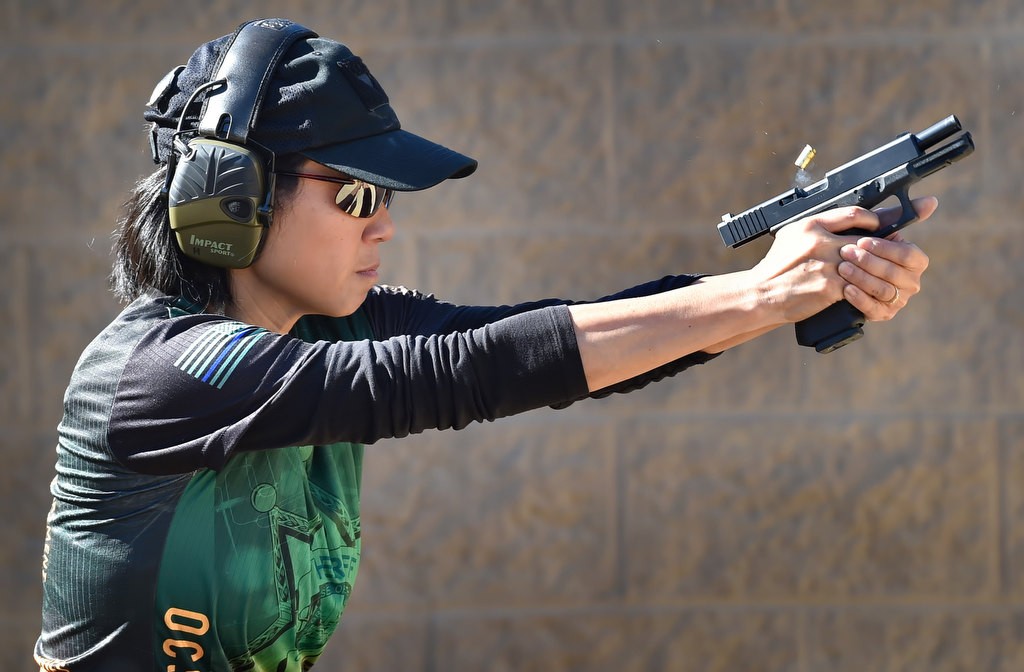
<point>220,185</point>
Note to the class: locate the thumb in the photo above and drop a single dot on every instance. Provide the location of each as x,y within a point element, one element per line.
<point>840,220</point>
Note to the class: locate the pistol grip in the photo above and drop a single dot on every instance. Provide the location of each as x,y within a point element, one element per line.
<point>841,323</point>
<point>832,328</point>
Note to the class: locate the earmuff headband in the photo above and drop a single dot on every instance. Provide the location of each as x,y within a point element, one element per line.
<point>257,47</point>
<point>219,189</point>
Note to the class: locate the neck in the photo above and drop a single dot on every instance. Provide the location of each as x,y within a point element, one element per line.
<point>262,309</point>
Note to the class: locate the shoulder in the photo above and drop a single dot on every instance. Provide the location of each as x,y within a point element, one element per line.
<point>393,310</point>
<point>398,293</point>
<point>158,338</point>
<point>116,343</point>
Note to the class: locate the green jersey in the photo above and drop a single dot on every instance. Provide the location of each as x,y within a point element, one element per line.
<point>206,510</point>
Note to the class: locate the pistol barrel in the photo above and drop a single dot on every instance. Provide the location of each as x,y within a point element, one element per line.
<point>849,184</point>
<point>938,132</point>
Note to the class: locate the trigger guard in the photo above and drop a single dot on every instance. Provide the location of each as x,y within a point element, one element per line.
<point>908,215</point>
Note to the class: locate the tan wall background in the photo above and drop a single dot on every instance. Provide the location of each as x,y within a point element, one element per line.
<point>774,510</point>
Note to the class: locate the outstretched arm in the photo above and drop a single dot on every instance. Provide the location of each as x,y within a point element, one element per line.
<point>810,266</point>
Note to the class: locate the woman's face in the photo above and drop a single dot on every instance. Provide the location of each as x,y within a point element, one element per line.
<point>316,258</point>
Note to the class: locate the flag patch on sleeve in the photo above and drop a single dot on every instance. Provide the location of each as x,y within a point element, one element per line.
<point>213,357</point>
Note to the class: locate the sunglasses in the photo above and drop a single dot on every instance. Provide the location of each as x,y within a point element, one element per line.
<point>355,197</point>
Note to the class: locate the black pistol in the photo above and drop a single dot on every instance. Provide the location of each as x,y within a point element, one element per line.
<point>866,181</point>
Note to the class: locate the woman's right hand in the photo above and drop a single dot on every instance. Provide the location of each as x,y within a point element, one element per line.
<point>810,265</point>
<point>801,274</point>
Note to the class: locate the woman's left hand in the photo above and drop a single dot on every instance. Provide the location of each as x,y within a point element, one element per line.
<point>884,273</point>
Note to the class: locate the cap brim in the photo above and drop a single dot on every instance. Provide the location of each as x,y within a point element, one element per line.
<point>397,160</point>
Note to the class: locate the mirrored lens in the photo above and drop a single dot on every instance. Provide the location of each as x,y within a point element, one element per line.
<point>361,199</point>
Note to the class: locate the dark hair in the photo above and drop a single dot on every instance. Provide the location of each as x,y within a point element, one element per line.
<point>147,258</point>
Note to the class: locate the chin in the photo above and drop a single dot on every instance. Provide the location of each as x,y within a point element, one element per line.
<point>347,308</point>
<point>336,312</point>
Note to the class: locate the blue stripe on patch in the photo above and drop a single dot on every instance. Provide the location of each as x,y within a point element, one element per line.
<point>224,352</point>
<point>215,354</point>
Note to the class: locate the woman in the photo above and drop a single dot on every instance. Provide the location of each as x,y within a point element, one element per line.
<point>206,504</point>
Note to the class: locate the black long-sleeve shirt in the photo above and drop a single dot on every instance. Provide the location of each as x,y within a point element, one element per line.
<point>206,503</point>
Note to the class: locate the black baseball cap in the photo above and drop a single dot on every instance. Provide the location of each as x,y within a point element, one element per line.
<point>322,102</point>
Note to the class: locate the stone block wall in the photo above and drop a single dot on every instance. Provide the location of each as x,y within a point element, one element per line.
<point>773,510</point>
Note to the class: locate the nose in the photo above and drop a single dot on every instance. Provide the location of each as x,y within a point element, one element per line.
<point>380,228</point>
